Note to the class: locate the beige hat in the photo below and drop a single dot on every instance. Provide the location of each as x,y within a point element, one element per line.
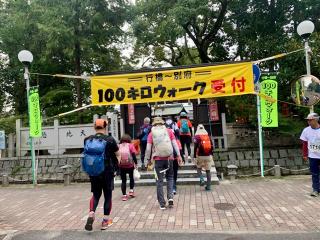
<point>157,120</point>
<point>201,130</point>
<point>312,116</point>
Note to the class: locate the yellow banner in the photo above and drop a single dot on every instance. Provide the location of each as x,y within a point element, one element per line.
<point>173,84</point>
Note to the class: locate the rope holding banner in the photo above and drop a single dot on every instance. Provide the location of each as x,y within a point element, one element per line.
<point>277,56</point>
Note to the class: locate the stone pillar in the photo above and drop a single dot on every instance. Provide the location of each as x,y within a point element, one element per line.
<point>66,174</point>
<point>114,129</point>
<point>232,172</point>
<point>18,137</point>
<point>66,179</point>
<point>10,145</point>
<point>5,180</point>
<point>277,171</point>
<point>222,177</point>
<point>56,136</point>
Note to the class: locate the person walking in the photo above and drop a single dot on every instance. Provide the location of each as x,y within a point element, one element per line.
<point>127,164</point>
<point>161,145</point>
<point>310,138</point>
<point>143,136</point>
<point>170,124</point>
<point>185,127</point>
<point>203,149</point>
<point>100,161</point>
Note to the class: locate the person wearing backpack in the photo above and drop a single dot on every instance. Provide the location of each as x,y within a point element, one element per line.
<point>173,126</point>
<point>203,149</point>
<point>161,145</point>
<point>100,161</point>
<point>185,128</point>
<point>127,164</point>
<point>143,136</point>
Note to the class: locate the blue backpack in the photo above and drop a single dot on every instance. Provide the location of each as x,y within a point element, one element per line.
<point>93,156</point>
<point>184,126</point>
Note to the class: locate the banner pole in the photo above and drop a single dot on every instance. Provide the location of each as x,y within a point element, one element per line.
<point>33,163</point>
<point>260,136</point>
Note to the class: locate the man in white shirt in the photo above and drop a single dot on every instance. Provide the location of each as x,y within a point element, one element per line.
<point>310,137</point>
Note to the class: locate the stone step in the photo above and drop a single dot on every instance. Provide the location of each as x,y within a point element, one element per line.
<point>180,181</point>
<point>181,173</point>
<point>185,176</point>
<point>186,166</point>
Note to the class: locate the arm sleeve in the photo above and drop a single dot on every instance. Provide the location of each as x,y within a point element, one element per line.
<point>133,153</point>
<point>304,148</point>
<point>147,155</point>
<point>132,149</point>
<point>175,147</point>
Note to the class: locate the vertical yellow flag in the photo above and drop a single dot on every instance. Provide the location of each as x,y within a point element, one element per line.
<point>34,113</point>
<point>269,110</point>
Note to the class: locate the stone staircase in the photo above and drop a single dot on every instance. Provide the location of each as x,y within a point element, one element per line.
<point>187,174</point>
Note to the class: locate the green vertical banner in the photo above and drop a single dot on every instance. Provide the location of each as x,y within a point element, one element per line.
<point>34,113</point>
<point>269,110</point>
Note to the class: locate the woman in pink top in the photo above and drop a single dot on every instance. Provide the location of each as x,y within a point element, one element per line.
<point>127,164</point>
<point>162,143</point>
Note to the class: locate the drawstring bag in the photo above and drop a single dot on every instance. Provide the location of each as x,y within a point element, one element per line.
<point>136,174</point>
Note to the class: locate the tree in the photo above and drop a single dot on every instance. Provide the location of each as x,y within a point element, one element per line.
<point>168,27</point>
<point>68,37</point>
<point>85,32</point>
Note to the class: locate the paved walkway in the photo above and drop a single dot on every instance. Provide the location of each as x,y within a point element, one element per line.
<point>268,205</point>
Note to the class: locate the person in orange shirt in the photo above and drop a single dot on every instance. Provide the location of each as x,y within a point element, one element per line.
<point>185,128</point>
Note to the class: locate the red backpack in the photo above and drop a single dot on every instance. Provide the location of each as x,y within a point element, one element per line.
<point>205,144</point>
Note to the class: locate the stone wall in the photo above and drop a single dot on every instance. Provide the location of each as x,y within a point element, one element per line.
<point>49,168</point>
<point>248,161</point>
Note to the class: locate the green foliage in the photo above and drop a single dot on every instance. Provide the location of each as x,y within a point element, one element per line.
<point>67,37</point>
<point>83,37</point>
<point>292,126</point>
<point>8,123</point>
<point>57,101</point>
<point>241,107</point>
<point>172,25</point>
